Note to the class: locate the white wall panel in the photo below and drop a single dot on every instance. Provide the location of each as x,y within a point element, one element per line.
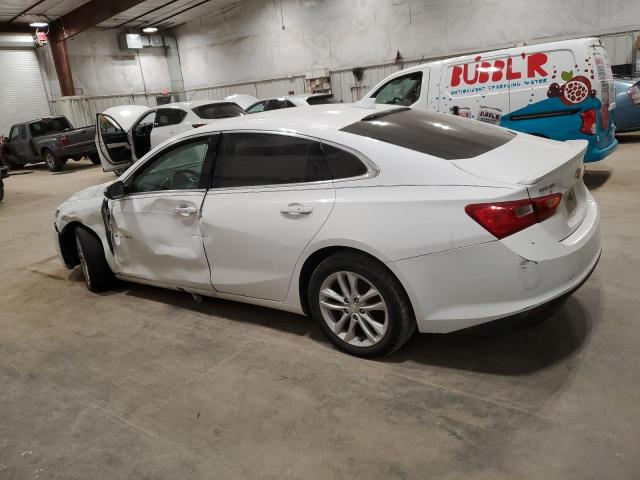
<point>342,34</point>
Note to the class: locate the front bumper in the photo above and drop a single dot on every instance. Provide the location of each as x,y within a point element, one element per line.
<point>473,285</point>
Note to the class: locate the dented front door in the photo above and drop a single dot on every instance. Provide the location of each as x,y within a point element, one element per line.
<point>156,237</point>
<point>155,229</point>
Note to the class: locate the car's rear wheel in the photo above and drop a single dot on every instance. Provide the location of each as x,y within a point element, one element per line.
<point>98,277</point>
<point>360,306</point>
<point>53,163</point>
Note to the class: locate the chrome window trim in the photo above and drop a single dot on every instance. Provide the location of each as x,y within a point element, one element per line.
<point>372,169</point>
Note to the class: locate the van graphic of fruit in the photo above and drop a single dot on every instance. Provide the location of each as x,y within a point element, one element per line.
<point>575,89</point>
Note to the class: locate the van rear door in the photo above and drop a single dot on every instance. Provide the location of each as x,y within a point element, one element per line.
<point>606,93</point>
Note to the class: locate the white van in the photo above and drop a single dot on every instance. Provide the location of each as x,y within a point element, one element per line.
<point>559,90</point>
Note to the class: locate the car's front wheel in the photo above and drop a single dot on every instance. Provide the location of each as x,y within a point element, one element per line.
<point>98,277</point>
<point>360,305</point>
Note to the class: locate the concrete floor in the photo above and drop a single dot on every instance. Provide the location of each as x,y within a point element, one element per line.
<point>145,383</point>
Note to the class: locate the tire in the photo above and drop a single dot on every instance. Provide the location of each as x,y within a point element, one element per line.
<point>98,277</point>
<point>53,164</point>
<point>1,190</point>
<point>95,159</point>
<point>12,165</point>
<point>388,328</point>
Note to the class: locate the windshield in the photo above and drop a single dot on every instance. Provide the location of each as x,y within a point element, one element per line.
<point>49,126</point>
<point>219,110</point>
<point>438,134</point>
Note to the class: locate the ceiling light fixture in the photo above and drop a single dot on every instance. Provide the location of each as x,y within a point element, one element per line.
<point>39,24</point>
<point>149,29</point>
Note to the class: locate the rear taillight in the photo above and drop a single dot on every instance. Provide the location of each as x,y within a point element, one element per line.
<point>197,125</point>
<point>64,140</point>
<point>634,93</point>
<point>588,122</point>
<point>502,219</point>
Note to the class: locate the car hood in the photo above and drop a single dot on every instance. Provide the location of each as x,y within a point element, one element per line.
<point>89,192</point>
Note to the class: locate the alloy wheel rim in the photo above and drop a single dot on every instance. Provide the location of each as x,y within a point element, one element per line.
<point>83,263</point>
<point>353,309</point>
<point>50,160</point>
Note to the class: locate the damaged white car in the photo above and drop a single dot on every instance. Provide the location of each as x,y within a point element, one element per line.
<point>375,222</point>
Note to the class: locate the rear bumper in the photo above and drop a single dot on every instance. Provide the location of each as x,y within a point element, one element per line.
<point>595,154</point>
<point>473,285</point>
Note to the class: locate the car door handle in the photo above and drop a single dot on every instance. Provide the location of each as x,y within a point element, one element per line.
<point>185,210</point>
<point>296,209</point>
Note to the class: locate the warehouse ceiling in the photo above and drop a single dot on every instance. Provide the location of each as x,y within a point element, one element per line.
<point>158,13</point>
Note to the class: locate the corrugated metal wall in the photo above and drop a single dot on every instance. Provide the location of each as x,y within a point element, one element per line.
<point>620,47</point>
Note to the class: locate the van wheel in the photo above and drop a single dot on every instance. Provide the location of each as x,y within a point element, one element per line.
<point>53,164</point>
<point>360,306</point>
<point>98,277</point>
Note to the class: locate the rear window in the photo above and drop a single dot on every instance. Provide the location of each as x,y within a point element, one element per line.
<point>219,110</point>
<point>49,126</point>
<point>438,134</point>
<point>169,116</point>
<point>319,99</point>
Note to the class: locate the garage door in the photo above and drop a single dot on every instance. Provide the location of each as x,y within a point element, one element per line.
<point>22,94</point>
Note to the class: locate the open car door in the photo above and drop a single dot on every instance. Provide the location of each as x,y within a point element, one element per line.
<point>113,135</point>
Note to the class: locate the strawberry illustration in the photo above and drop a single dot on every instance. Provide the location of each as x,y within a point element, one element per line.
<point>575,90</point>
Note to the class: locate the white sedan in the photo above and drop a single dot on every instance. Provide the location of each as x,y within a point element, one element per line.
<point>376,221</point>
<point>130,131</point>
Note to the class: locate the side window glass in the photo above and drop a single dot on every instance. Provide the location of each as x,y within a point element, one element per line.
<point>179,168</point>
<point>343,164</point>
<point>288,104</point>
<point>13,135</point>
<point>257,107</point>
<point>145,125</point>
<point>169,116</point>
<point>404,90</point>
<point>22,132</point>
<point>250,159</point>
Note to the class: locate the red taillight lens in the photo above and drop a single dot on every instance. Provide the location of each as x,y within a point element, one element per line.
<point>502,219</point>
<point>588,122</point>
<point>546,206</point>
<point>197,125</point>
<point>634,93</point>
<point>64,140</point>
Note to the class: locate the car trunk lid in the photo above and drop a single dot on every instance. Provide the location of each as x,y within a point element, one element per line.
<point>544,168</point>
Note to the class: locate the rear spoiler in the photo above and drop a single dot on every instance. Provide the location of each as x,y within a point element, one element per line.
<point>577,148</point>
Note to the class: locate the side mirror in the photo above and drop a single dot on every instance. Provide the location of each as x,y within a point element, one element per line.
<point>115,190</point>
